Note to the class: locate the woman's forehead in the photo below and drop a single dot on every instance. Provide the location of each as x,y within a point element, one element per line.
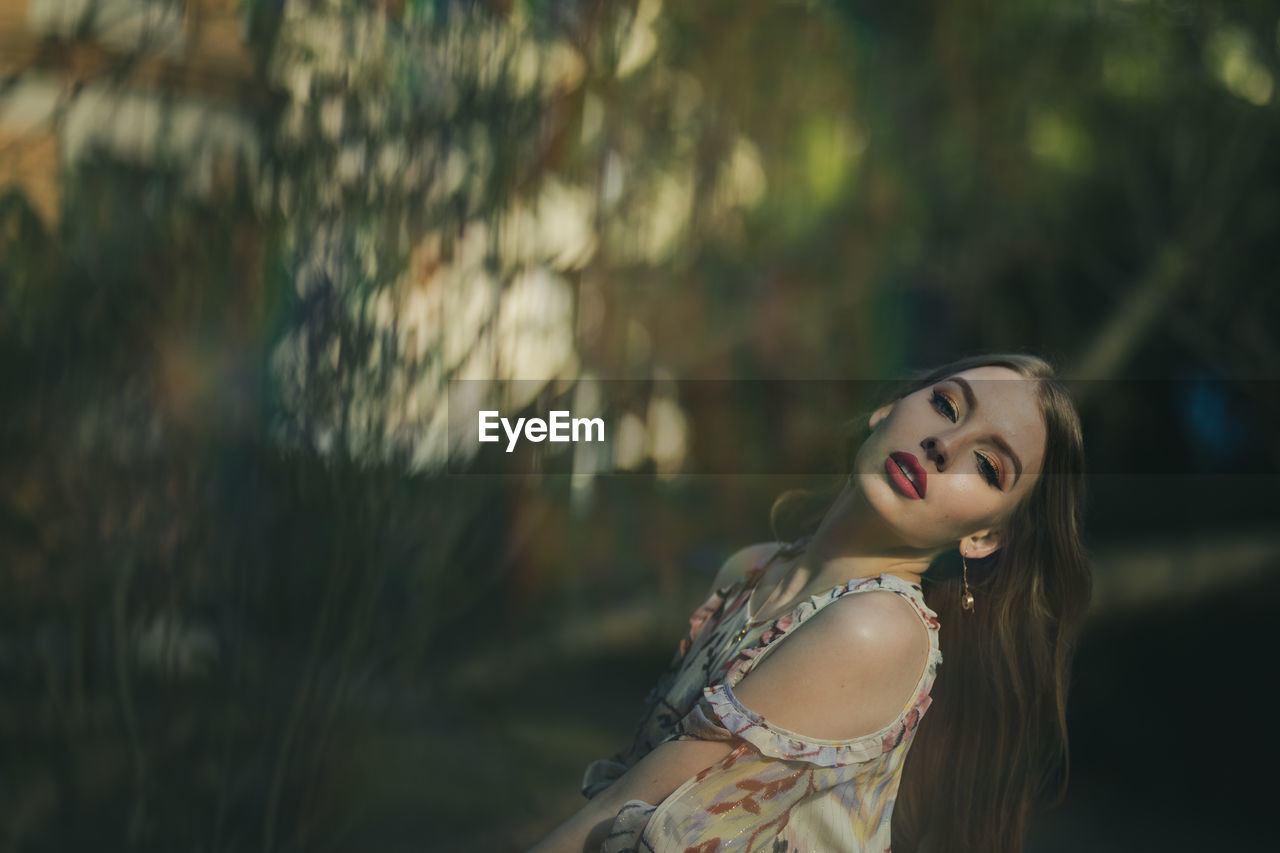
<point>995,371</point>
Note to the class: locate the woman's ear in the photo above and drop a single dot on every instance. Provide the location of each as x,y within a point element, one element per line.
<point>980,544</point>
<point>880,414</point>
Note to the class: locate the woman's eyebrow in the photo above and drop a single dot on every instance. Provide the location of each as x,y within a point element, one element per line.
<point>972,402</point>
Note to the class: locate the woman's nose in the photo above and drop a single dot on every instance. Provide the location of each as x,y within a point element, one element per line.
<point>936,451</point>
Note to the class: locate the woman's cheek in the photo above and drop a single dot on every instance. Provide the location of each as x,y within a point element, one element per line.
<point>965,499</point>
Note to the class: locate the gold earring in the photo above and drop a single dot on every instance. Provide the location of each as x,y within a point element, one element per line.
<point>966,600</point>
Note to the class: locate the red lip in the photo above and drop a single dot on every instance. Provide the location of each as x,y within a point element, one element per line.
<point>912,465</point>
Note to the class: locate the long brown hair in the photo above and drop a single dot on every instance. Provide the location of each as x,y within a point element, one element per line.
<point>987,754</point>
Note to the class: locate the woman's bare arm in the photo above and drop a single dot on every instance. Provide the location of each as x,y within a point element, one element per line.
<point>652,779</point>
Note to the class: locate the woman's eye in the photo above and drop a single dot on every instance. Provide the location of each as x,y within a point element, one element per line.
<point>943,404</point>
<point>989,471</point>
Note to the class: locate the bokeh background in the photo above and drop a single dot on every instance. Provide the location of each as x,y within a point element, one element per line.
<point>254,596</point>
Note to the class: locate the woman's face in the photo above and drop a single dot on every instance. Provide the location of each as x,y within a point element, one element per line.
<point>952,460</point>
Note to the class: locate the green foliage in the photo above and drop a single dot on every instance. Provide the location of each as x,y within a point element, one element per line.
<point>226,557</point>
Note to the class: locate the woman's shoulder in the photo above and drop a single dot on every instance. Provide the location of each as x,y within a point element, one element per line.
<point>741,562</point>
<point>848,671</point>
<point>883,618</point>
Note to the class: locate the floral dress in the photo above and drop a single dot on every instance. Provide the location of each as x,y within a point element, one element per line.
<point>776,790</point>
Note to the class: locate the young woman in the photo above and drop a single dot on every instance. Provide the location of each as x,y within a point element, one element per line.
<point>785,719</point>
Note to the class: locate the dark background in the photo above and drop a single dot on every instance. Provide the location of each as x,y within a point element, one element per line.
<point>253,596</point>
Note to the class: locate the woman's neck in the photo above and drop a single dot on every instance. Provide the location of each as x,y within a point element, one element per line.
<point>850,543</point>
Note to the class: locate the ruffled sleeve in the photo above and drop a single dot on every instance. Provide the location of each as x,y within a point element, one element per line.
<point>628,827</point>
<point>600,775</point>
<point>701,723</point>
<point>721,712</point>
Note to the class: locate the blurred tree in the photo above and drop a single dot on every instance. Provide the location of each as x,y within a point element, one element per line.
<point>247,248</point>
